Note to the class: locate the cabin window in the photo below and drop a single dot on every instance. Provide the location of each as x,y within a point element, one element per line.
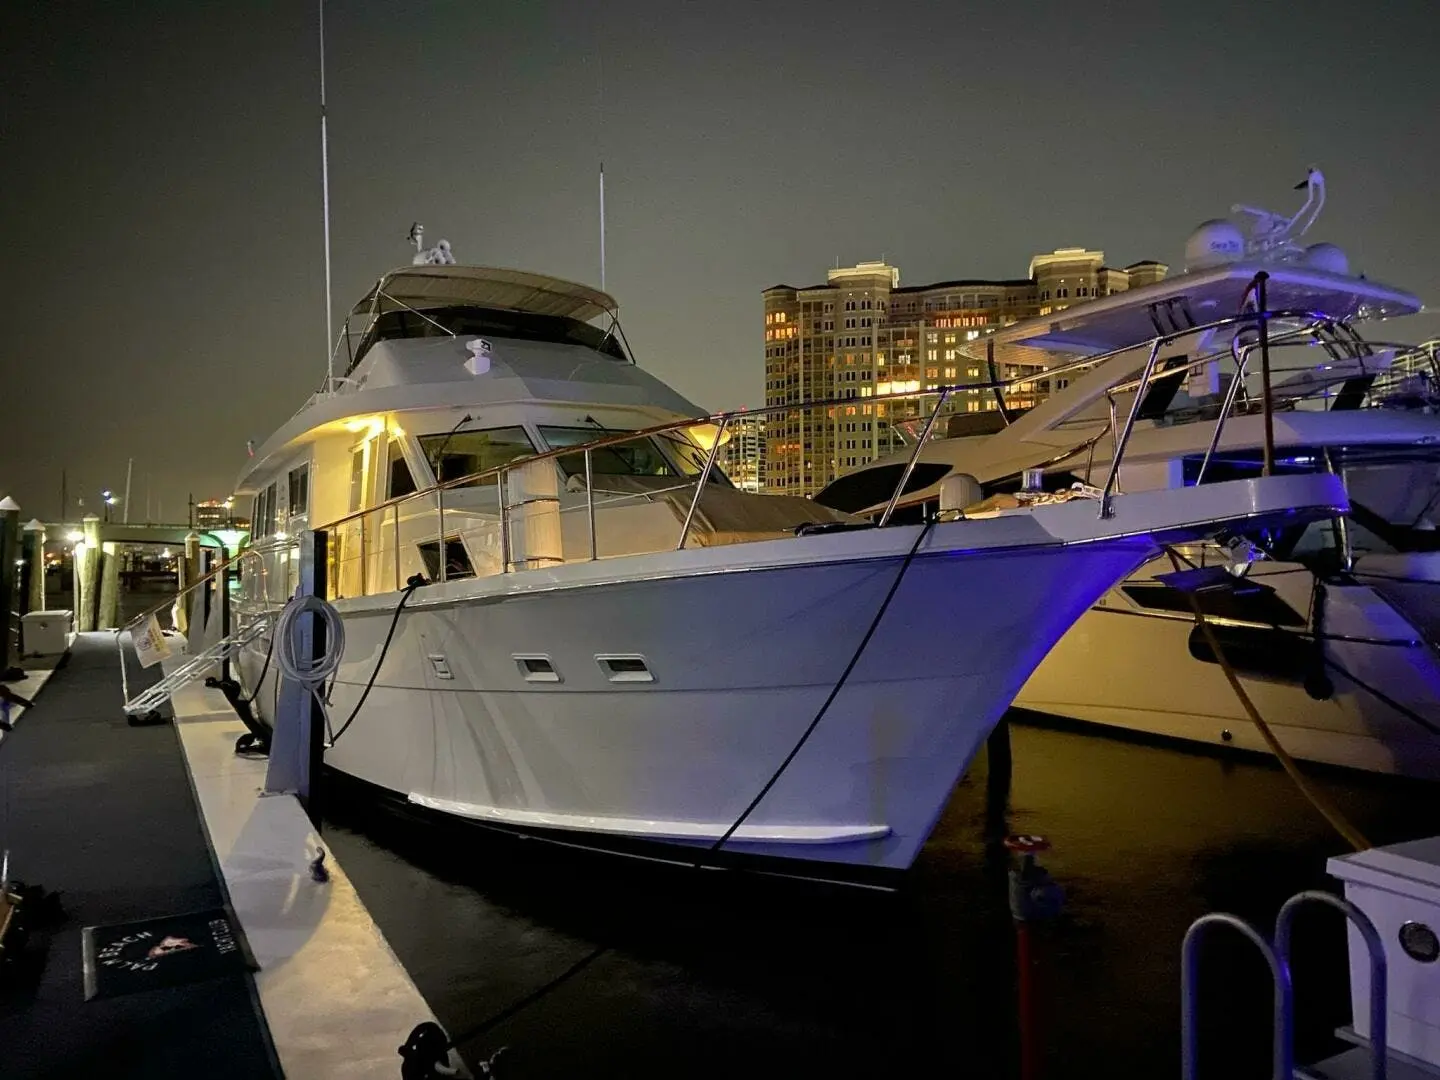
<point>299,485</point>
<point>357,476</point>
<point>644,456</point>
<point>457,559</point>
<point>464,321</point>
<point>465,453</point>
<point>1246,602</point>
<point>400,482</point>
<point>265,513</point>
<point>691,458</point>
<point>640,457</point>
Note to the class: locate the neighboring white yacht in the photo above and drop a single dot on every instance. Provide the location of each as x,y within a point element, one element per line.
<point>614,644</point>
<point>1335,632</point>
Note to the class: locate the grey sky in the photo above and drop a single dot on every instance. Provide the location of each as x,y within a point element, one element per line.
<point>162,259</point>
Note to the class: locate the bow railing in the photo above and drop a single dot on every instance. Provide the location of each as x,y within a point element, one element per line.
<point>586,502</point>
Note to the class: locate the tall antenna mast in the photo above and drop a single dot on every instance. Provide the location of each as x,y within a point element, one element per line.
<point>600,134</point>
<point>325,199</point>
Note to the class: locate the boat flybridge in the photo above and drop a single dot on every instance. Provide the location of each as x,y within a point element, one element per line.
<point>560,617</point>
<point>1336,624</point>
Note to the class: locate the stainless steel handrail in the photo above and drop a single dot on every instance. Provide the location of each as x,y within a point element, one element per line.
<point>1124,439</point>
<point>1374,948</point>
<point>702,481</point>
<point>618,438</point>
<point>914,457</point>
<point>235,560</point>
<point>1312,324</point>
<point>1282,1055</point>
<point>1230,392</point>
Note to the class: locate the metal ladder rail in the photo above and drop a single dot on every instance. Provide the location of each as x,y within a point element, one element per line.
<point>1379,1007</point>
<point>1278,959</point>
<point>1283,1045</point>
<point>153,697</point>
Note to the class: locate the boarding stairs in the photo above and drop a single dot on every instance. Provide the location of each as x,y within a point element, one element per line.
<point>1370,1056</point>
<point>145,704</point>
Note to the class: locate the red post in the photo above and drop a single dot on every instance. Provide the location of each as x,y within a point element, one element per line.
<point>1029,1034</point>
<point>1033,895</point>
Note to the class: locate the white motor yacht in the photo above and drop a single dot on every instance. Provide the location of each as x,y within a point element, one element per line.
<point>561,618</point>
<point>1333,625</point>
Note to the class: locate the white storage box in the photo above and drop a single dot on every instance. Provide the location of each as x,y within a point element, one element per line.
<point>1398,887</point>
<point>45,633</point>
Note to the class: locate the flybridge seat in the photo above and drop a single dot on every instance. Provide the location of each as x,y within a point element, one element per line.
<point>724,515</point>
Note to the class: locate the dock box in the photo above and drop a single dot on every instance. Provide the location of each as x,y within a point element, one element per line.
<point>1398,887</point>
<point>45,633</point>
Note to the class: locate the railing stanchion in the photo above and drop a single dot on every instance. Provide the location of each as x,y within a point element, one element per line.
<point>364,557</point>
<point>1267,403</point>
<point>590,503</point>
<point>1231,392</point>
<point>396,510</point>
<point>1124,439</point>
<point>914,457</point>
<point>504,521</point>
<point>700,484</point>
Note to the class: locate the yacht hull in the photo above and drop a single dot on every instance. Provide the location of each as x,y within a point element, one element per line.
<point>652,698</point>
<point>741,663</point>
<point>1376,707</point>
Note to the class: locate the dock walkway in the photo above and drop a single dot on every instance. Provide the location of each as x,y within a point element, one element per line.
<point>103,813</point>
<point>131,823</point>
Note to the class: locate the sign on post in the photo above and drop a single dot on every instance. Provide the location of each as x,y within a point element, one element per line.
<point>150,644</point>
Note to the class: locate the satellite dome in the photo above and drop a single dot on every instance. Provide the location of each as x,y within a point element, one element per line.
<point>1214,242</point>
<point>1327,257</point>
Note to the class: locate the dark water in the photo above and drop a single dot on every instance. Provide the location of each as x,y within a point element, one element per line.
<point>723,974</point>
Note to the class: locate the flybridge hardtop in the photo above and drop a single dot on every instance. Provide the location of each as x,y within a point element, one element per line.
<point>1194,298</point>
<point>427,337</point>
<point>420,287</point>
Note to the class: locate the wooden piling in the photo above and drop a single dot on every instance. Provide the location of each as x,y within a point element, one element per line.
<point>87,569</point>
<point>9,556</point>
<point>109,608</point>
<point>35,562</point>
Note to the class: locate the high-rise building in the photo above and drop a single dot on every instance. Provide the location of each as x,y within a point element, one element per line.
<point>217,514</point>
<point>742,455</point>
<point>862,334</point>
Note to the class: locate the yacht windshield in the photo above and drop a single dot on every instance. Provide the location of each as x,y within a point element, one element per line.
<point>468,321</point>
<point>1393,491</point>
<point>663,455</point>
<point>462,453</point>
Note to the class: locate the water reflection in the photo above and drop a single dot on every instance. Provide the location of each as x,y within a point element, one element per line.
<point>718,974</point>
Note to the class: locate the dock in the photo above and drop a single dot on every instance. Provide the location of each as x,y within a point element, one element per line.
<point>130,823</point>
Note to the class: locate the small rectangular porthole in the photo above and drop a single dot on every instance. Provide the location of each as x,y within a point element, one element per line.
<point>536,667</point>
<point>624,667</point>
<point>440,666</point>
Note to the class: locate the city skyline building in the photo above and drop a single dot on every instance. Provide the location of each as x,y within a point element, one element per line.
<point>217,514</point>
<point>742,455</point>
<point>862,335</point>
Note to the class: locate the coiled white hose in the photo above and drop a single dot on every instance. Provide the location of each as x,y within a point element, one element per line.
<point>310,672</point>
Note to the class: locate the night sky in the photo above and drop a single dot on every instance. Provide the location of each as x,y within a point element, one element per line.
<point>162,256</point>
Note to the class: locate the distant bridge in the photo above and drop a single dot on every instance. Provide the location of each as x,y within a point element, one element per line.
<point>116,532</point>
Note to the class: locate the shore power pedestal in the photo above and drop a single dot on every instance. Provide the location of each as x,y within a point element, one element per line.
<point>1398,887</point>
